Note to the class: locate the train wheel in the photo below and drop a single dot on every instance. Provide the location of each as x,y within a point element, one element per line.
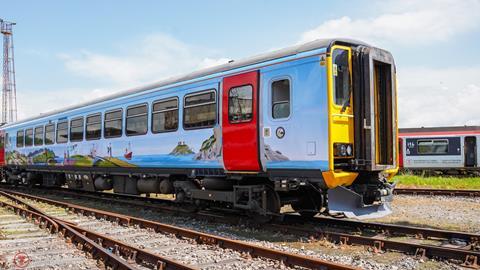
<point>309,204</point>
<point>273,206</point>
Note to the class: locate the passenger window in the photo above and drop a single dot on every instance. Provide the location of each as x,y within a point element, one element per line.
<point>165,115</point>
<point>341,77</point>
<point>432,147</point>
<point>93,127</point>
<point>38,136</point>
<point>76,130</point>
<point>137,120</point>
<point>20,138</point>
<point>240,104</point>
<point>29,137</point>
<point>200,110</point>
<point>50,134</point>
<point>113,124</point>
<point>281,99</point>
<point>62,132</point>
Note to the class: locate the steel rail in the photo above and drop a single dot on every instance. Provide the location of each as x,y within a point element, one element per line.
<point>469,255</point>
<point>388,229</point>
<point>82,242</point>
<point>354,225</point>
<point>438,192</point>
<point>121,250</point>
<point>287,258</point>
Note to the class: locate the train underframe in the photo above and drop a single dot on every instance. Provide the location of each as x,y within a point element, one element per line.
<point>256,195</point>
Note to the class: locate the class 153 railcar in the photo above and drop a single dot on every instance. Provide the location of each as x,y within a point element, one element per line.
<point>440,150</point>
<point>312,126</point>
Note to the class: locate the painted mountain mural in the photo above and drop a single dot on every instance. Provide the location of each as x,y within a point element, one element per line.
<point>181,149</point>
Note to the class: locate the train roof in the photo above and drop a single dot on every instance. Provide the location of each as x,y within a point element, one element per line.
<point>289,51</point>
<point>452,130</point>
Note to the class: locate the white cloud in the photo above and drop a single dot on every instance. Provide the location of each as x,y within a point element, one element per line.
<point>53,100</point>
<point>439,97</point>
<point>427,96</point>
<point>408,23</point>
<point>154,58</point>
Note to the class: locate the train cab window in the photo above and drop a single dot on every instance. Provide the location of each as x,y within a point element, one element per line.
<point>76,129</point>
<point>62,132</point>
<point>432,147</point>
<point>93,129</point>
<point>165,115</point>
<point>29,137</point>
<point>137,120</point>
<point>281,99</point>
<point>341,77</point>
<point>50,134</point>
<point>200,110</point>
<point>113,124</point>
<point>20,138</point>
<point>38,136</point>
<point>240,104</point>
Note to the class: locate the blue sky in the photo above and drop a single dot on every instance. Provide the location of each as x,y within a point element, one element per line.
<point>70,51</point>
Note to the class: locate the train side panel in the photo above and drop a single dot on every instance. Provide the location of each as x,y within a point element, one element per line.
<point>441,152</point>
<point>296,138</point>
<point>177,149</point>
<point>303,145</point>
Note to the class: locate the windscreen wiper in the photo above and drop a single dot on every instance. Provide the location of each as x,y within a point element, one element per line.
<point>347,101</point>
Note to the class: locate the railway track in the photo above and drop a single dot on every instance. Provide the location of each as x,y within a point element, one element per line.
<point>23,243</point>
<point>187,247</point>
<point>462,247</point>
<point>438,192</point>
<point>108,252</point>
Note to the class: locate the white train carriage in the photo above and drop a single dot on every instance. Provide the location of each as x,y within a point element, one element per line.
<point>442,149</point>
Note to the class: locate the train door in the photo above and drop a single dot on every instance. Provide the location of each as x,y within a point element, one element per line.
<point>470,151</point>
<point>240,137</point>
<point>341,108</point>
<point>375,109</point>
<point>400,152</point>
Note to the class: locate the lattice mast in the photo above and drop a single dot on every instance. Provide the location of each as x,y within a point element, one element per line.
<point>9,91</point>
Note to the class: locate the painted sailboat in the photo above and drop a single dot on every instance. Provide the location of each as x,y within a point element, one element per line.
<point>128,152</point>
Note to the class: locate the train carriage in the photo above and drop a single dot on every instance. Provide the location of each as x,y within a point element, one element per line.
<point>313,126</point>
<point>443,150</point>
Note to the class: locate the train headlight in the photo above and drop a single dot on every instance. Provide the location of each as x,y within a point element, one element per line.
<point>343,150</point>
<point>349,150</point>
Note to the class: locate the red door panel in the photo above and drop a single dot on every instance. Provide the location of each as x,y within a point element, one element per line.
<point>240,122</point>
<point>400,152</point>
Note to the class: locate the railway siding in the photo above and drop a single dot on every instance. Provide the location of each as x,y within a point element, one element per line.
<point>442,243</point>
<point>196,248</point>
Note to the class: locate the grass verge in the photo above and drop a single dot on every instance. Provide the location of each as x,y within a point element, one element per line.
<point>444,182</point>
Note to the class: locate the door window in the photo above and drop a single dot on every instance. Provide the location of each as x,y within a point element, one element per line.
<point>281,99</point>
<point>240,104</point>
<point>341,77</point>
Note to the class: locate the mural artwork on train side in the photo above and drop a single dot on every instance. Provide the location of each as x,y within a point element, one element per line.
<point>208,155</point>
